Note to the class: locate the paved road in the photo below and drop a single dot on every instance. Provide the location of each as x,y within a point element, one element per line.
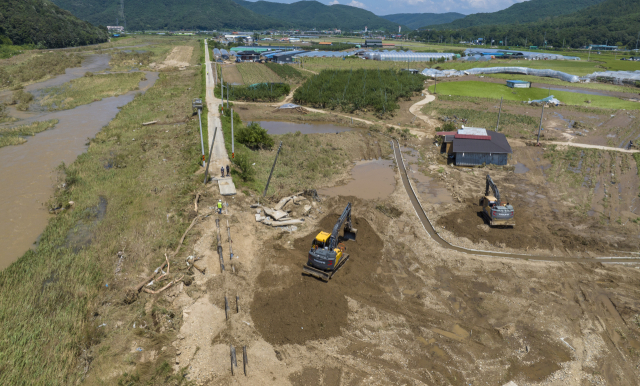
<point>219,157</point>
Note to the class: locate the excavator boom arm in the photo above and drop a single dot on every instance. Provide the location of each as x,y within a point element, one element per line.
<point>493,187</point>
<point>345,217</point>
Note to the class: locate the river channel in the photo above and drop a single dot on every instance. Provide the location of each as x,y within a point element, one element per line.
<point>27,171</point>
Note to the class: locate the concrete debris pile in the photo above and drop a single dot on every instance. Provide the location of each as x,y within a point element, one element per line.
<point>287,211</point>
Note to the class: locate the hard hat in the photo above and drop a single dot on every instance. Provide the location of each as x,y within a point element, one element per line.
<point>219,200</point>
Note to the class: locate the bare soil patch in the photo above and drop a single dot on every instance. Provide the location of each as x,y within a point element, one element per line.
<point>299,308</point>
<point>230,74</point>
<point>179,57</point>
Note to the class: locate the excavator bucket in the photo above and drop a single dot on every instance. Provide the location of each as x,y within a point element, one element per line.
<point>350,234</point>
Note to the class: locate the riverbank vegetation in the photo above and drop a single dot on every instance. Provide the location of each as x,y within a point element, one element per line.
<point>15,135</point>
<point>358,90</point>
<point>90,88</point>
<point>30,68</point>
<point>62,312</point>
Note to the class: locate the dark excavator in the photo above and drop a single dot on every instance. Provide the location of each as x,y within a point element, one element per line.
<point>327,254</point>
<point>496,212</point>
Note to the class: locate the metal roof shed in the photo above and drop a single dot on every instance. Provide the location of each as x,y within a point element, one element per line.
<point>475,152</point>
<point>518,84</point>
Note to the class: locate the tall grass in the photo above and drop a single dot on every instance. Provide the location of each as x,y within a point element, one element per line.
<point>15,135</point>
<point>37,68</point>
<point>53,298</point>
<point>90,88</point>
<point>257,73</point>
<point>286,72</point>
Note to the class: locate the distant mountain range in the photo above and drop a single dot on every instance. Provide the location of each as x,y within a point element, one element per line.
<point>612,22</point>
<point>313,14</point>
<point>525,12</point>
<point>225,14</point>
<point>42,22</point>
<point>170,14</point>
<point>417,20</point>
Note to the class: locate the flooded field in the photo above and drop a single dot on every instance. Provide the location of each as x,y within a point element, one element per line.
<point>372,180</point>
<point>274,127</point>
<point>27,170</point>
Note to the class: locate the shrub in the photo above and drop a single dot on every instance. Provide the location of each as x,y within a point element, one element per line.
<point>243,162</point>
<point>260,92</point>
<point>254,136</point>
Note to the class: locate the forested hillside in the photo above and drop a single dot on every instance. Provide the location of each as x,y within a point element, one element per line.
<point>170,14</point>
<point>525,12</point>
<point>613,22</point>
<point>313,14</point>
<point>417,20</point>
<point>42,23</point>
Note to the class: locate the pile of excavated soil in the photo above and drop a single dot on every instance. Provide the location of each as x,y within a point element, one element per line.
<point>293,308</point>
<point>530,230</point>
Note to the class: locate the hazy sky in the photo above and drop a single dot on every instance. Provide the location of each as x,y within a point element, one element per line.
<point>385,7</point>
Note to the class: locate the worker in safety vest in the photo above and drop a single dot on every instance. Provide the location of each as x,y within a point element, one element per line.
<point>222,170</point>
<point>220,206</point>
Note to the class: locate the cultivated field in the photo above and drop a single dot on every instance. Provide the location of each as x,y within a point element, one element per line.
<point>257,73</point>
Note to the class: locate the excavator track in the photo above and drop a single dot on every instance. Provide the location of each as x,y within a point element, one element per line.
<point>323,275</point>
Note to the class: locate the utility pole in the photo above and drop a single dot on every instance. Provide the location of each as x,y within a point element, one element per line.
<point>540,128</point>
<point>206,171</point>
<point>273,167</point>
<point>589,57</point>
<point>637,41</point>
<point>197,104</point>
<point>232,138</point>
<point>436,86</point>
<point>499,112</point>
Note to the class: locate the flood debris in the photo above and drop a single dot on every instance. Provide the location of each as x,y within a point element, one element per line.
<point>280,214</point>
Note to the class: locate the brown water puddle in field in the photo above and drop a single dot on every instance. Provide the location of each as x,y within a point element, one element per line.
<point>274,127</point>
<point>27,170</point>
<point>427,188</point>
<point>372,180</point>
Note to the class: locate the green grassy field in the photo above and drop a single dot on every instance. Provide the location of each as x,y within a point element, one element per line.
<point>50,296</point>
<point>496,91</point>
<point>558,82</point>
<point>90,88</point>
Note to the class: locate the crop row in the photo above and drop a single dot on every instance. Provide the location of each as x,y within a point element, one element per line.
<point>359,89</point>
<point>259,92</point>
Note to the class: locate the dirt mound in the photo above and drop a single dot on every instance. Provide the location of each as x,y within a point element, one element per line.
<point>530,231</point>
<point>293,308</point>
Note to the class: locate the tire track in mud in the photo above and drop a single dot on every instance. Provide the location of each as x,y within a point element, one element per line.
<point>426,223</point>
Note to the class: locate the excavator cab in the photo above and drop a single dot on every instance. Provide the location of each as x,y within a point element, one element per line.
<point>497,213</point>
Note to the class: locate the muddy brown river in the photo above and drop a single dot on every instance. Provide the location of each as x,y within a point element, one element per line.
<point>27,170</point>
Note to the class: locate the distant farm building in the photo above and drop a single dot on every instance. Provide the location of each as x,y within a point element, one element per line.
<point>115,28</point>
<point>373,43</point>
<point>247,56</point>
<point>285,57</point>
<point>518,84</point>
<point>473,146</point>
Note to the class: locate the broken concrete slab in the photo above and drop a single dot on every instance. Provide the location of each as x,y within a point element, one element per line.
<point>226,186</point>
<point>260,218</point>
<point>307,209</point>
<point>282,203</point>
<point>286,222</point>
<point>275,214</point>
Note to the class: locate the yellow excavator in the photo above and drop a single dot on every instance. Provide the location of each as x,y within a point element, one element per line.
<point>497,213</point>
<point>327,254</point>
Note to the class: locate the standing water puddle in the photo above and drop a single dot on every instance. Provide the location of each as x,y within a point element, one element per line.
<point>27,170</point>
<point>520,168</point>
<point>372,180</point>
<point>274,127</point>
<point>427,188</point>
